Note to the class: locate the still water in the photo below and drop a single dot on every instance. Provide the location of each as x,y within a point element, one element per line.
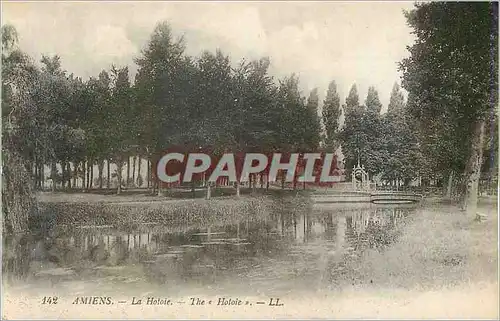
<point>280,252</point>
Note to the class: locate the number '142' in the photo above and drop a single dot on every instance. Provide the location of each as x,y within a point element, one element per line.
<point>49,300</point>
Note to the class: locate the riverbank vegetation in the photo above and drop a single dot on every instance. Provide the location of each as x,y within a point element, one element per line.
<point>173,213</point>
<point>437,248</point>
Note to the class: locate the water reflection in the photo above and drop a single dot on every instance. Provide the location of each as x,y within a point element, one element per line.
<point>318,246</point>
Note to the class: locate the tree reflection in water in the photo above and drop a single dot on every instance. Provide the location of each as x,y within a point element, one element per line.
<point>320,246</point>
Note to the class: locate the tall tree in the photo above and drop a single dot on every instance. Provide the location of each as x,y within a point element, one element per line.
<point>313,100</point>
<point>162,87</point>
<point>402,159</point>
<point>396,101</point>
<point>373,153</point>
<point>452,74</point>
<point>19,78</point>
<point>353,136</point>
<point>352,105</point>
<point>331,117</point>
<point>312,121</point>
<point>55,102</point>
<point>372,102</point>
<point>256,112</point>
<point>121,102</point>
<point>102,116</point>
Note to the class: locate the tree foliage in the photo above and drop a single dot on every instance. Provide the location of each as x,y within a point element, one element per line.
<point>200,103</point>
<point>331,117</point>
<point>452,78</point>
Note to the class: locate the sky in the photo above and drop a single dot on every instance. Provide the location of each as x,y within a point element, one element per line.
<point>349,42</point>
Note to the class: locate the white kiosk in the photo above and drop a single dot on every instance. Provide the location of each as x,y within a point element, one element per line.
<point>360,178</point>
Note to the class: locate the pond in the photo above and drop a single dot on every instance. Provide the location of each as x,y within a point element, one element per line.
<point>279,253</point>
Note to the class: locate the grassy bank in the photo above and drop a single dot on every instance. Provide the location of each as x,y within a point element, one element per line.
<point>107,196</point>
<point>438,246</point>
<point>184,212</point>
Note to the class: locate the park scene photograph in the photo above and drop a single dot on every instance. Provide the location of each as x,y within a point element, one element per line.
<point>334,160</point>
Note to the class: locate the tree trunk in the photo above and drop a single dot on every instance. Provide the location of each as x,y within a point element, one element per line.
<point>160,193</point>
<point>91,165</point>
<point>139,172</point>
<point>42,176</point>
<point>450,184</point>
<point>148,174</point>
<point>108,173</point>
<point>100,168</point>
<point>36,169</point>
<point>75,173</point>
<point>88,175</point>
<point>237,188</point>
<point>63,175</point>
<point>128,171</point>
<point>28,167</point>
<point>17,198</point>
<point>37,174</point>
<point>84,171</point>
<point>53,174</point>
<point>152,182</point>
<point>473,170</point>
<point>133,170</point>
<point>69,175</point>
<point>34,172</point>
<point>119,167</point>
<point>209,192</point>
<point>254,183</point>
<point>267,182</point>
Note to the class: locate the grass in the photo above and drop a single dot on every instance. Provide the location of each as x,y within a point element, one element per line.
<point>168,195</point>
<point>437,247</point>
<point>176,213</point>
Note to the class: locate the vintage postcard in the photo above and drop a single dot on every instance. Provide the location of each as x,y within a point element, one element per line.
<point>249,160</point>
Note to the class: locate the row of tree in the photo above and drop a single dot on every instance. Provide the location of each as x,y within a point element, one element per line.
<point>451,76</point>
<point>175,100</point>
<point>50,117</point>
<point>448,129</point>
<point>59,120</point>
<point>385,144</point>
